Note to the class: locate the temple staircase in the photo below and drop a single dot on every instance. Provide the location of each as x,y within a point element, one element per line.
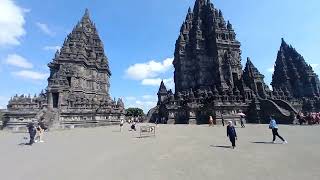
<point>280,109</point>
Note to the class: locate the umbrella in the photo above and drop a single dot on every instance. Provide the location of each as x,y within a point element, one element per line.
<point>241,114</point>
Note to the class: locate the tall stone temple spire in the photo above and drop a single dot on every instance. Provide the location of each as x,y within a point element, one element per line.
<point>209,80</point>
<point>81,67</point>
<point>207,53</point>
<point>294,74</point>
<point>78,86</point>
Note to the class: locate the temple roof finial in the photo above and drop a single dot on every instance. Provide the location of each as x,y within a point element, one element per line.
<point>189,10</point>
<point>86,14</point>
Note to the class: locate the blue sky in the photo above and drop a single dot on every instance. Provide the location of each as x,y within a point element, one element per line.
<point>139,38</point>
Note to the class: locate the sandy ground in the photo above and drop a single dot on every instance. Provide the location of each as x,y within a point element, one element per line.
<point>185,152</point>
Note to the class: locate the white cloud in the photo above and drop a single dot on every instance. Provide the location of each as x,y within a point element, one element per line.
<point>33,75</point>
<point>151,82</point>
<point>52,48</point>
<point>150,69</point>
<point>18,61</point>
<point>45,29</point>
<point>148,97</point>
<point>11,22</point>
<point>270,70</point>
<point>156,82</point>
<point>145,102</point>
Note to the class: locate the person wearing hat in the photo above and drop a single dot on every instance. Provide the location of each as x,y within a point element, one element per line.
<point>232,134</point>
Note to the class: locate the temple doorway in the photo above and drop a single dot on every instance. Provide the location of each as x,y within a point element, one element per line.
<point>55,100</point>
<point>260,89</point>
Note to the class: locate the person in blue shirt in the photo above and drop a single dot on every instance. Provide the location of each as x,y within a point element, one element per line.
<point>231,133</point>
<point>274,127</point>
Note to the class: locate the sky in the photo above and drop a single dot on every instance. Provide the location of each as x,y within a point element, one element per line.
<point>139,38</point>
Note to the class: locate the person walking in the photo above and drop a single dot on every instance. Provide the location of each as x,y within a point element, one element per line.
<point>274,127</point>
<point>232,134</point>
<point>39,134</point>
<point>121,124</point>
<point>210,121</point>
<point>32,132</point>
<point>222,120</point>
<point>242,122</point>
<point>133,126</point>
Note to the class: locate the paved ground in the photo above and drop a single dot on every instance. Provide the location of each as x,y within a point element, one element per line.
<point>183,152</point>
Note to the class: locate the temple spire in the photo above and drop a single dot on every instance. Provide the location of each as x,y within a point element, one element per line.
<point>162,88</point>
<point>293,73</point>
<point>86,13</point>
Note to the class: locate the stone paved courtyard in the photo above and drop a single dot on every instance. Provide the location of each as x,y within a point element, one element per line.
<point>185,152</point>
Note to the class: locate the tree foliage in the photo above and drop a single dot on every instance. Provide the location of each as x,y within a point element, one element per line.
<point>135,112</point>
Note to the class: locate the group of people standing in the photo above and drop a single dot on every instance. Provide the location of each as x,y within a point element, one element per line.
<point>309,118</point>
<point>36,131</point>
<point>131,122</point>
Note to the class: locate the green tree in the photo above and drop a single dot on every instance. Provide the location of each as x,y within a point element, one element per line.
<point>135,112</point>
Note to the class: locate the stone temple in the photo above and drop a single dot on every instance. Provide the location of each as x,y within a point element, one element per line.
<point>210,81</point>
<point>78,86</point>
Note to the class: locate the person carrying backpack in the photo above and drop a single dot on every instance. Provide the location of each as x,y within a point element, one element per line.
<point>274,127</point>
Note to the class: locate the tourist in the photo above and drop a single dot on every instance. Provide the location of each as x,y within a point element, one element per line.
<point>121,124</point>
<point>273,125</point>
<point>39,133</point>
<point>300,118</point>
<point>241,121</point>
<point>210,121</point>
<point>43,125</point>
<point>231,133</point>
<point>222,120</point>
<point>133,126</point>
<point>32,132</point>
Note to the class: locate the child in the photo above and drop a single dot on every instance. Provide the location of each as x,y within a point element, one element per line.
<point>231,133</point>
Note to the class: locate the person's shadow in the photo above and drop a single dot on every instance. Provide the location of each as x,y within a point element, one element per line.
<point>24,143</point>
<point>263,142</point>
<point>225,147</point>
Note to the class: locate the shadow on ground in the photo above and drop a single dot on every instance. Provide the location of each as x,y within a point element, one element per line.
<point>264,142</point>
<point>226,147</point>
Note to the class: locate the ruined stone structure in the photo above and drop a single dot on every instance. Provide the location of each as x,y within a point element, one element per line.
<point>209,80</point>
<point>78,86</point>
